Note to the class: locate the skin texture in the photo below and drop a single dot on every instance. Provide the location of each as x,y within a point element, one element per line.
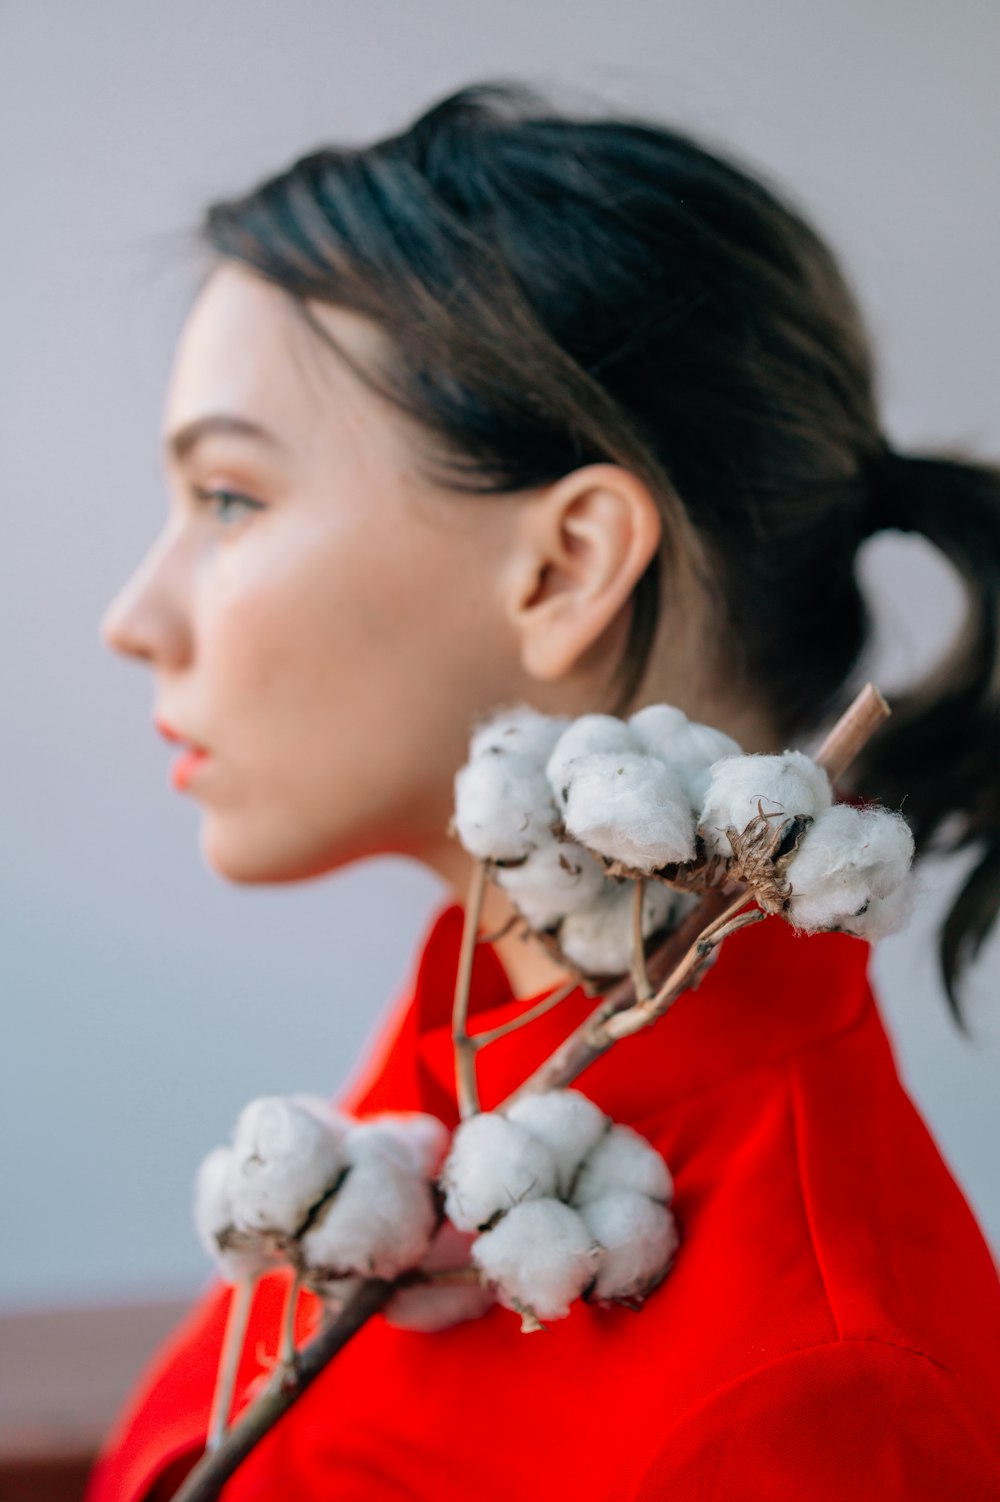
<point>332,646</point>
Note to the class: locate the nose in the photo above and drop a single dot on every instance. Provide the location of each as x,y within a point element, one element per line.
<point>147,618</point>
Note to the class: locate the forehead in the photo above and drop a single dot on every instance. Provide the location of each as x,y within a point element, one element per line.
<point>243,350</point>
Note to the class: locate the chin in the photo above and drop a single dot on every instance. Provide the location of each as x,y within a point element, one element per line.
<point>254,860</point>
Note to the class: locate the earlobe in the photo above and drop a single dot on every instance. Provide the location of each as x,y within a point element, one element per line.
<point>584,544</point>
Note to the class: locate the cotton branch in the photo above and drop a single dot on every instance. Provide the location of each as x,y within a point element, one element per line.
<point>676,954</point>
<point>671,968</point>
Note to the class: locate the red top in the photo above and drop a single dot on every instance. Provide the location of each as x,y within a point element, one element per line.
<point>830,1327</point>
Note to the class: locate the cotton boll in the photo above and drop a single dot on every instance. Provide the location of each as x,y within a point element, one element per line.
<point>688,747</point>
<point>630,808</point>
<point>847,857</point>
<point>503,807</point>
<point>567,1122</point>
<point>438,1306</point>
<point>415,1139</point>
<point>522,731</point>
<point>213,1219</point>
<point>378,1224</point>
<point>286,1159</point>
<point>639,1237</point>
<point>539,1257</point>
<point>589,735</point>
<point>623,1159</point>
<point>493,1164</point>
<point>557,878</point>
<point>790,784</point>
<point>598,938</point>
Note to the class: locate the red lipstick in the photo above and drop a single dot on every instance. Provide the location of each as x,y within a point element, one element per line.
<point>185,767</point>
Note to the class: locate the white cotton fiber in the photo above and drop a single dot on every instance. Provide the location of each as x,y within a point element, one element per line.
<point>567,1122</point>
<point>286,1158</point>
<point>598,938</point>
<point>378,1224</point>
<point>438,1306</point>
<point>521,730</point>
<point>656,726</point>
<point>623,1159</point>
<point>884,915</point>
<point>557,878</point>
<point>503,807</point>
<point>539,1257</point>
<point>213,1219</point>
<point>630,808</point>
<point>639,1237</point>
<point>847,857</point>
<point>790,784</point>
<point>323,1110</point>
<point>493,1164</point>
<point>417,1140</point>
<point>688,747</point>
<point>589,735</point>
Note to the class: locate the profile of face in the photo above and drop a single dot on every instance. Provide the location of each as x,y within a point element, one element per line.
<point>326,622</point>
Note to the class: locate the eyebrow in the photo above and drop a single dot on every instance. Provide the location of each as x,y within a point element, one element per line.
<point>180,443</point>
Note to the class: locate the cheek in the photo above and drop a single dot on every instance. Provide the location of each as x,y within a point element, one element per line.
<point>343,672</point>
<point>335,649</point>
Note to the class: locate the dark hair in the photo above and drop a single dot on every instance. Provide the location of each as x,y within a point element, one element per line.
<point>557,291</point>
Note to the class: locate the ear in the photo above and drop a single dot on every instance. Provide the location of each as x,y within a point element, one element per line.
<point>582,545</point>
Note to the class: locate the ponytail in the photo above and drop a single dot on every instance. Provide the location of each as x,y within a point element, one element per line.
<point>938,758</point>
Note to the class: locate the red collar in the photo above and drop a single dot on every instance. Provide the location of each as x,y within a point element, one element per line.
<point>771,992</point>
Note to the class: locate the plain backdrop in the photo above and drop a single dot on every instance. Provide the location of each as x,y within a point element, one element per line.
<point>144,1000</point>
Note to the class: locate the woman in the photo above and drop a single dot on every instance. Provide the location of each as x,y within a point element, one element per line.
<point>515,407</point>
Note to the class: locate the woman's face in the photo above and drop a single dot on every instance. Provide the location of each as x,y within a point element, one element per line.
<point>330,626</point>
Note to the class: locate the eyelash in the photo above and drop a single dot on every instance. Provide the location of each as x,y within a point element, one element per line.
<point>207,497</point>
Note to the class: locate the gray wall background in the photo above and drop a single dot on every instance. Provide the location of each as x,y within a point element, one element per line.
<point>144,1001</point>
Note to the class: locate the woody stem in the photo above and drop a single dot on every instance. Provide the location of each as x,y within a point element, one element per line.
<point>479,1040</point>
<point>465,1050</point>
<point>286,1354</point>
<point>640,978</point>
<point>232,1348</point>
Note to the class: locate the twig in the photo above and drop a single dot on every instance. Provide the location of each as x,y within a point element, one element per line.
<point>286,1354</point>
<point>479,1040</point>
<point>466,1088</point>
<point>859,722</point>
<point>644,1013</point>
<point>640,978</point>
<point>232,1346</point>
<point>578,1049</point>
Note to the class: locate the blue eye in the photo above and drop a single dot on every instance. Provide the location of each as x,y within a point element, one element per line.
<point>223,498</point>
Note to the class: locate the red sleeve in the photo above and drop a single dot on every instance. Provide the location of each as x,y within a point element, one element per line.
<point>855,1418</point>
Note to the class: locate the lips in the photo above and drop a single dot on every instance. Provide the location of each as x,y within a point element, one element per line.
<point>187,766</point>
